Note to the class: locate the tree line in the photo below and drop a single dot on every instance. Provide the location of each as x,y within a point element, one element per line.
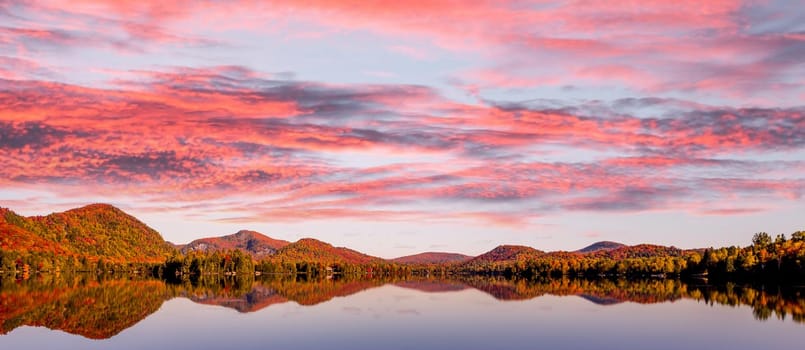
<point>780,258</point>
<point>773,258</point>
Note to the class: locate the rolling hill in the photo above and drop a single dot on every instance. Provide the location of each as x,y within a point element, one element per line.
<point>97,230</point>
<point>256,244</point>
<point>432,258</point>
<point>309,249</point>
<point>14,235</point>
<point>504,253</point>
<point>602,245</point>
<point>639,251</point>
<point>101,231</point>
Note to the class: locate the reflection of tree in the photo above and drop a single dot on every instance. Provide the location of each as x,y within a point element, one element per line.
<point>432,286</point>
<point>243,295</point>
<point>604,290</point>
<point>765,301</point>
<point>95,307</point>
<point>89,307</point>
<point>248,295</point>
<point>315,291</point>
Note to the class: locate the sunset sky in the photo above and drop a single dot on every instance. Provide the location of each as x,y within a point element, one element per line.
<point>400,127</point>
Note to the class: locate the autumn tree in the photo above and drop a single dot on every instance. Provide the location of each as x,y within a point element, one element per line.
<point>761,240</point>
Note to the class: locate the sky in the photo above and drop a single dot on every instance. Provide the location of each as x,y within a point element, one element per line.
<point>400,127</point>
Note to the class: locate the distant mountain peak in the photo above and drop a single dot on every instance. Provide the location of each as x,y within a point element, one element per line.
<point>314,249</point>
<point>248,233</point>
<point>96,207</point>
<point>506,252</point>
<point>255,243</point>
<point>509,249</point>
<point>432,258</point>
<point>308,240</point>
<point>601,245</point>
<point>512,247</point>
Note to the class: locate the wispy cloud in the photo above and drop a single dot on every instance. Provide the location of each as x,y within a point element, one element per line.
<point>284,146</point>
<point>573,107</point>
<point>724,49</point>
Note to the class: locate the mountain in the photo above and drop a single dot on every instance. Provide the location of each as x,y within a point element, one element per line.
<point>639,251</point>
<point>97,230</point>
<point>82,236</point>
<point>505,253</point>
<point>602,245</point>
<point>432,258</point>
<point>309,249</point>
<point>256,244</point>
<point>15,235</point>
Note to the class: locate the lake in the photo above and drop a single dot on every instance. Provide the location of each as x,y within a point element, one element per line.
<point>284,312</point>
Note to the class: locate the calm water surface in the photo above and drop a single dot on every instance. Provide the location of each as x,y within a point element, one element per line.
<point>473,313</point>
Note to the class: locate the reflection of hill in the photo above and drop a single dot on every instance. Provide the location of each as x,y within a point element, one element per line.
<point>259,297</point>
<point>603,292</point>
<point>600,300</point>
<point>503,289</point>
<point>92,309</point>
<point>778,301</point>
<point>95,308</point>
<point>433,286</point>
<point>319,291</point>
<point>250,296</point>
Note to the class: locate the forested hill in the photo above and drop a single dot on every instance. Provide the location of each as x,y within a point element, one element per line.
<point>505,253</point>
<point>432,258</point>
<point>256,244</point>
<point>313,250</point>
<point>91,232</point>
<point>602,245</point>
<point>100,237</point>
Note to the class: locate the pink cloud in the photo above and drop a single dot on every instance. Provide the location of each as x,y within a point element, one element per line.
<point>569,107</point>
<point>686,47</point>
<point>410,51</point>
<point>732,211</point>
